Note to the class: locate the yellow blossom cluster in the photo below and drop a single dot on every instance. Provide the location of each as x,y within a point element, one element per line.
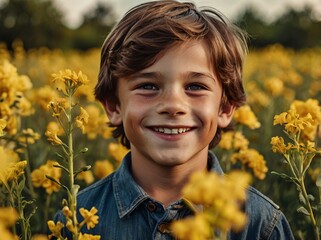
<point>39,179</point>
<point>8,218</point>
<point>252,159</point>
<point>13,103</point>
<point>3,124</point>
<point>90,220</point>
<point>302,117</point>
<point>221,197</point>
<point>97,124</point>
<point>82,119</point>
<point>103,168</point>
<point>11,166</point>
<point>245,116</point>
<point>233,140</point>
<point>68,78</point>
<point>117,151</point>
<point>305,108</point>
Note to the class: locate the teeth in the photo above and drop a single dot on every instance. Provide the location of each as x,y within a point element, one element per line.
<point>171,130</point>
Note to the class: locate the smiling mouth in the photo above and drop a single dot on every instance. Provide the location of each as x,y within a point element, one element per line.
<point>171,131</point>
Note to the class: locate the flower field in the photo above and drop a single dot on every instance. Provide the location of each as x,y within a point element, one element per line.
<point>55,139</point>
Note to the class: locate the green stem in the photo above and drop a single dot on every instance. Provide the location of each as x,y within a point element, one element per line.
<point>28,173</point>
<point>73,197</point>
<point>308,205</point>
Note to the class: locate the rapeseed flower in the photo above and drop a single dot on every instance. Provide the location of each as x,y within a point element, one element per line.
<point>86,236</point>
<point>252,159</point>
<point>3,124</point>
<point>53,138</point>
<point>82,119</point>
<point>86,176</point>
<point>274,85</point>
<point>233,140</point>
<point>39,179</point>
<point>117,151</point>
<point>55,229</point>
<point>57,105</point>
<point>28,136</point>
<point>103,168</point>
<point>90,217</point>
<point>8,218</point>
<point>192,228</point>
<point>220,197</point>
<point>69,78</point>
<point>11,166</point>
<point>245,116</point>
<point>309,107</point>
<point>43,95</point>
<point>293,122</point>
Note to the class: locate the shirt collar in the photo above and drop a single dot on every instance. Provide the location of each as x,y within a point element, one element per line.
<point>128,194</point>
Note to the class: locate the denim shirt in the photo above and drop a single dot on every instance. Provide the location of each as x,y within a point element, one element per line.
<point>126,211</point>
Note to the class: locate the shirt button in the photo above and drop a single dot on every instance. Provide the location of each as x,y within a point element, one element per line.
<point>164,228</point>
<point>151,207</point>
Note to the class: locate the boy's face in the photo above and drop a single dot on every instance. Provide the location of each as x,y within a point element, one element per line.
<point>171,110</point>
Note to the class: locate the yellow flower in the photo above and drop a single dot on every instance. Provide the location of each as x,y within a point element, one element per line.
<point>44,95</point>
<point>39,237</point>
<point>245,116</point>
<point>39,179</point>
<point>53,138</point>
<point>310,107</point>
<point>57,105</point>
<point>86,236</point>
<point>293,122</point>
<point>235,140</point>
<point>90,217</point>
<point>70,78</point>
<point>192,228</point>
<point>54,127</point>
<point>97,124</point>
<point>55,229</point>
<point>87,176</point>
<point>16,170</point>
<point>28,136</point>
<point>221,197</point>
<point>252,159</point>
<point>82,119</point>
<point>6,234</point>
<point>3,124</point>
<point>278,145</point>
<point>117,151</point>
<point>102,168</point>
<point>8,216</point>
<point>7,161</point>
<point>274,86</point>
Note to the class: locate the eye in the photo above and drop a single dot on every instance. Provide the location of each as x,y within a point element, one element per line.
<point>195,87</point>
<point>148,86</point>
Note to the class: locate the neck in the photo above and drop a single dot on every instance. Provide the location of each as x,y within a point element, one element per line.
<point>164,183</point>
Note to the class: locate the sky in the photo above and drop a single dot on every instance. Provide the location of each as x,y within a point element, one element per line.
<point>269,9</point>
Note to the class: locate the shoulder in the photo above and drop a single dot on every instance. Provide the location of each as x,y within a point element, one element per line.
<point>265,219</point>
<point>95,191</point>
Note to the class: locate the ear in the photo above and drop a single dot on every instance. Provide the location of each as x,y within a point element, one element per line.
<point>112,108</point>
<point>225,115</point>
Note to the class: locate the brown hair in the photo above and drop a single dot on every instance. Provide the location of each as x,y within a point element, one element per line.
<point>139,38</point>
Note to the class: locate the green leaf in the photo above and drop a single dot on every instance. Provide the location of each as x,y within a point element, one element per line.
<point>303,210</point>
<point>301,198</point>
<point>311,197</point>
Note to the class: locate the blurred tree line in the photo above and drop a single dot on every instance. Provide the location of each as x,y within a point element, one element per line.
<point>40,23</point>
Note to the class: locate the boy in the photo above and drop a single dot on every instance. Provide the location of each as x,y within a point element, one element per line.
<point>170,80</point>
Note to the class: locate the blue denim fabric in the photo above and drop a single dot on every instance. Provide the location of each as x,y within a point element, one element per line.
<point>127,212</point>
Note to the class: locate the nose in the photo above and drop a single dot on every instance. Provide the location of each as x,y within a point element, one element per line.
<point>172,103</point>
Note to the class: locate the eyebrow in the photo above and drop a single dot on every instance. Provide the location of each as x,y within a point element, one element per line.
<point>158,75</point>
